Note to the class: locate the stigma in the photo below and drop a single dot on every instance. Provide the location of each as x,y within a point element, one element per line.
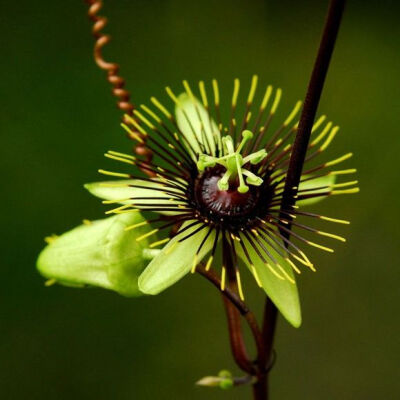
<point>236,178</point>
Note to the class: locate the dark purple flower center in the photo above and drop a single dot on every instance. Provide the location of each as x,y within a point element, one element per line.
<point>229,207</point>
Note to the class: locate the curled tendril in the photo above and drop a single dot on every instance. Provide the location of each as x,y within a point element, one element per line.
<point>112,69</point>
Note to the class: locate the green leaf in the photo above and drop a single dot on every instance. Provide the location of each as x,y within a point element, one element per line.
<point>119,190</point>
<point>282,292</point>
<point>195,123</point>
<point>175,260</point>
<point>316,183</point>
<point>101,253</point>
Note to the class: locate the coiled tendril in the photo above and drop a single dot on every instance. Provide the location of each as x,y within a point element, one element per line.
<point>116,80</point>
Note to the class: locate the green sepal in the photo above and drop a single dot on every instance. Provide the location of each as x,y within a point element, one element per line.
<point>101,253</point>
<point>175,260</point>
<point>195,123</point>
<point>119,190</point>
<point>282,292</point>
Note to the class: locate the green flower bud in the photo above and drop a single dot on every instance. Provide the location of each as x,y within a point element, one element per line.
<point>224,373</point>
<point>226,384</point>
<point>226,379</point>
<point>100,253</point>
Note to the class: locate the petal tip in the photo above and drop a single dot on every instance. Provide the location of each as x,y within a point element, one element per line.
<point>296,323</point>
<point>145,287</point>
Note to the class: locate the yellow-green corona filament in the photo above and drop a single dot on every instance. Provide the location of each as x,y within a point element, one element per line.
<point>233,161</point>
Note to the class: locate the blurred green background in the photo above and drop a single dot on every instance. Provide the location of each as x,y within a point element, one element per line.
<point>57,118</point>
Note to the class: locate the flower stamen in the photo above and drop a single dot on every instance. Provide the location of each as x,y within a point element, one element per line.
<point>233,162</point>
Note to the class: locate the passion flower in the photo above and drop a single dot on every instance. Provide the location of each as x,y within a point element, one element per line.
<point>218,183</point>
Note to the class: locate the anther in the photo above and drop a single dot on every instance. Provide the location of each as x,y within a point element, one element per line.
<point>233,162</point>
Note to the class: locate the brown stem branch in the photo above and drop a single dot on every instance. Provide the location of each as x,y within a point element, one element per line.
<point>268,330</point>
<point>241,307</point>
<point>315,86</point>
<point>260,389</point>
<point>212,277</point>
<point>311,101</point>
<point>231,300</point>
<point>238,345</point>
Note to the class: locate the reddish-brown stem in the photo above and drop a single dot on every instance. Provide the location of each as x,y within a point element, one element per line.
<point>268,330</point>
<point>260,388</point>
<point>331,28</point>
<point>234,299</point>
<point>238,346</point>
<point>311,102</point>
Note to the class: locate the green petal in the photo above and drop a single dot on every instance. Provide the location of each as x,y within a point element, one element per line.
<point>100,254</point>
<point>195,123</point>
<point>283,293</point>
<point>316,183</point>
<point>119,192</point>
<point>175,260</point>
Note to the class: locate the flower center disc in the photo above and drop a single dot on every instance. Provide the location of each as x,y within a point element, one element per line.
<point>224,203</point>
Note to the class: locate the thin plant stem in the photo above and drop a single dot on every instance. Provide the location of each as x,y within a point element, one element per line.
<point>311,102</point>
<point>238,345</point>
<point>261,389</point>
<point>313,95</point>
<point>235,301</point>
